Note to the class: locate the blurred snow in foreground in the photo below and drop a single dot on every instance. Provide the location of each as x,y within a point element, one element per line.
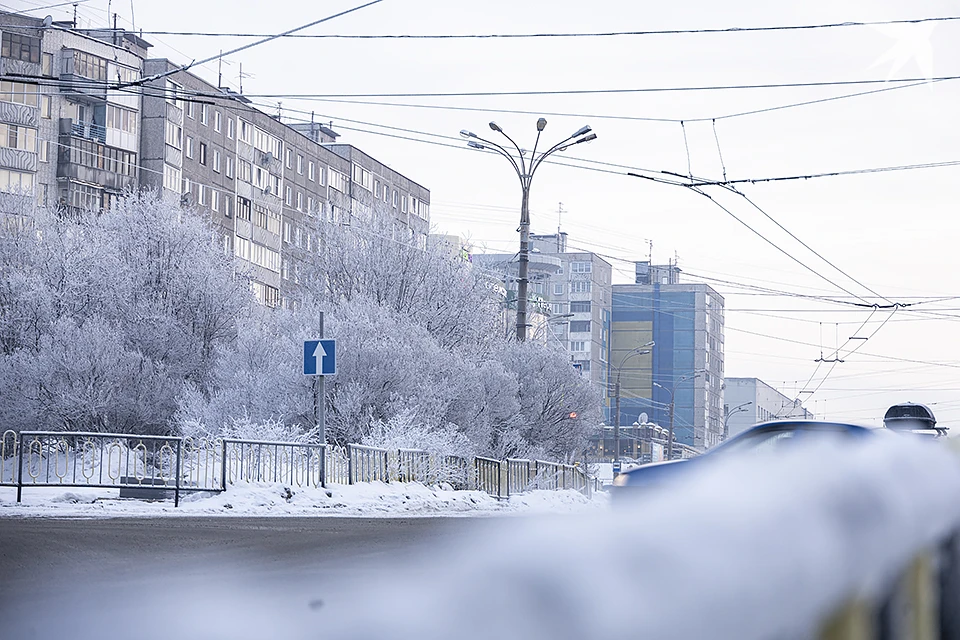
<point>262,500</point>
<point>741,548</point>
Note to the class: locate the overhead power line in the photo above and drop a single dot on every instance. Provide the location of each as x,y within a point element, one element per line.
<point>594,34</point>
<point>562,92</point>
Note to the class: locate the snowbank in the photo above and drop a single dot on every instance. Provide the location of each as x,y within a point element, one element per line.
<point>363,500</point>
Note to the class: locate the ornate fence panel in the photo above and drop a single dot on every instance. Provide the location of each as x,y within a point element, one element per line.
<point>547,475</point>
<point>80,459</point>
<point>9,446</point>
<point>368,464</point>
<point>488,475</point>
<point>295,463</point>
<point>201,464</point>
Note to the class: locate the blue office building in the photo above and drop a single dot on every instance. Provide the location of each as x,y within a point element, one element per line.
<point>683,367</point>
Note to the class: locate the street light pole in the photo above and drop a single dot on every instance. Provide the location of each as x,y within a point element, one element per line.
<point>639,351</point>
<point>525,168</point>
<point>740,408</point>
<point>671,391</point>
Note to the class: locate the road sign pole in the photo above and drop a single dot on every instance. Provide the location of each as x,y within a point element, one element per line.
<point>319,397</point>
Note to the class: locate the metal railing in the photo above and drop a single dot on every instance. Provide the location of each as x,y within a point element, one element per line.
<point>367,464</point>
<point>156,465</point>
<point>294,463</point>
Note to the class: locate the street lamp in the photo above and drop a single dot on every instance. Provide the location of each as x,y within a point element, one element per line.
<point>671,391</point>
<point>638,351</point>
<point>525,168</point>
<point>740,408</point>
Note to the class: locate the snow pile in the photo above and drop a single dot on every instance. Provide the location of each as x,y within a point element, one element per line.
<point>743,548</point>
<point>266,499</point>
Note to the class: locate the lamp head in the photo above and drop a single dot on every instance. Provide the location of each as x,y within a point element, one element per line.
<point>588,138</point>
<point>475,145</point>
<point>496,127</point>
<point>541,124</point>
<point>582,131</point>
<point>467,134</point>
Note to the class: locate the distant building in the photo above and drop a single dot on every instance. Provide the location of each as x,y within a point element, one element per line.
<point>685,366</point>
<point>748,401</point>
<point>569,299</point>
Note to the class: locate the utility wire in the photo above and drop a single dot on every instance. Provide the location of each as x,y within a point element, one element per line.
<point>561,92</point>
<point>597,34</point>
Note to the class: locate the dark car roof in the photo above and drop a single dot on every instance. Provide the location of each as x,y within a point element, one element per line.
<point>653,472</point>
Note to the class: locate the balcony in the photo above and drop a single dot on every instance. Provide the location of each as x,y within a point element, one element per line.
<point>88,130</point>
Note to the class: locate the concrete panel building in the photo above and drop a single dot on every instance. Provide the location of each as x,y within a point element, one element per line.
<point>748,401</point>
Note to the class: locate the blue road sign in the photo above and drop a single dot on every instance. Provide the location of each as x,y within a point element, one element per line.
<point>319,357</point>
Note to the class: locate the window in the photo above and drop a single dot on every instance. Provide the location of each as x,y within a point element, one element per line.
<point>376,189</point>
<point>189,109</point>
<point>246,132</point>
<point>203,114</point>
<point>216,160</point>
<point>229,167</point>
<point>174,135</point>
<point>89,66</point>
<point>189,147</point>
<point>580,306</point>
<point>215,200</point>
<point>320,176</point>
<point>244,171</point>
<point>362,177</point>
<point>21,47</point>
<point>202,195</point>
<point>300,164</point>
<point>44,149</point>
<point>243,209</point>
<point>299,201</point>
<point>203,153</point>
<point>123,119</point>
<point>231,128</point>
<point>403,204</point>
<point>310,209</point>
<point>46,60</point>
<point>15,137</point>
<point>286,232</point>
<point>312,170</point>
<point>172,93</point>
<point>298,237</point>
<point>171,178</point>
<point>579,326</point>
<point>558,289</point>
<point>217,121</point>
<point>338,181</point>
<point>581,267</point>
<point>19,93</point>
<point>578,345</point>
<point>288,197</point>
<point>46,107</point>
<point>581,286</point>
<point>289,159</point>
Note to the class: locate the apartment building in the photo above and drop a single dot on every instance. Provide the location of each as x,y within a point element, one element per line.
<point>683,369</point>
<point>268,187</point>
<point>65,139</point>
<point>748,401</point>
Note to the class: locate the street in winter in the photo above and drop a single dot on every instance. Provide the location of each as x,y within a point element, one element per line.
<point>410,319</point>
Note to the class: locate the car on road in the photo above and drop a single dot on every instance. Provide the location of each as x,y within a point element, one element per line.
<point>909,417</point>
<point>765,437</point>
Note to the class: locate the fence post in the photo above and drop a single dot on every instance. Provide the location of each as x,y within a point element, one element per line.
<point>349,464</point>
<point>20,465</point>
<point>386,466</point>
<point>176,492</point>
<point>323,466</point>
<point>499,478</point>
<point>223,466</point>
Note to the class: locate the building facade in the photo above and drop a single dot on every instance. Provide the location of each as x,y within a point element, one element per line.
<point>748,401</point>
<point>683,369</point>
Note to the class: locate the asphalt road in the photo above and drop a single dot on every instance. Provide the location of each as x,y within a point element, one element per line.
<point>120,571</point>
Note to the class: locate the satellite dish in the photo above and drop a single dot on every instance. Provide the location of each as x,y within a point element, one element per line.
<point>643,418</point>
<point>47,22</point>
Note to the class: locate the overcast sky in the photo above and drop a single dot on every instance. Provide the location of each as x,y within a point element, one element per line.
<point>893,233</point>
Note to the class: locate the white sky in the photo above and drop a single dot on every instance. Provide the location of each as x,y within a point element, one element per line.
<point>894,232</point>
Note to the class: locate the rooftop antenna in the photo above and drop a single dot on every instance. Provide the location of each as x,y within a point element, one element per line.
<point>559,216</point>
<point>133,18</point>
<point>650,251</point>
<point>75,15</point>
<point>220,70</point>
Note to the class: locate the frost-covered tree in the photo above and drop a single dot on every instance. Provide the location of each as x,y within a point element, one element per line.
<point>106,315</point>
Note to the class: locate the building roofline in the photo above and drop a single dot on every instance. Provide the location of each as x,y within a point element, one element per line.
<point>347,144</point>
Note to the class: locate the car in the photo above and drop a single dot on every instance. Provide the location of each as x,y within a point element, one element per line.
<point>768,436</point>
<point>909,417</point>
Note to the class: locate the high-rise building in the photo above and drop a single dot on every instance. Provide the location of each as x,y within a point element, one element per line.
<point>748,401</point>
<point>683,369</point>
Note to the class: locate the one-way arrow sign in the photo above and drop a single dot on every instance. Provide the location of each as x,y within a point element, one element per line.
<point>319,357</point>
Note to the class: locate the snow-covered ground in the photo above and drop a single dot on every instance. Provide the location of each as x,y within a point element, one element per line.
<point>374,499</point>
